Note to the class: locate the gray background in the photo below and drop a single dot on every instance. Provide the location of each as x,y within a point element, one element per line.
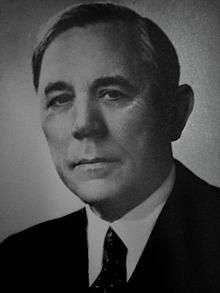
<point>30,189</point>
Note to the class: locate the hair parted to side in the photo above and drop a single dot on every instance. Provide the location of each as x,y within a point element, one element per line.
<point>155,47</point>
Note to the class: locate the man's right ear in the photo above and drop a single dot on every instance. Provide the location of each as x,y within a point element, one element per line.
<point>181,110</point>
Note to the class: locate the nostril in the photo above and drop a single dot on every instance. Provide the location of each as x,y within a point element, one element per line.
<point>95,129</point>
<point>80,132</point>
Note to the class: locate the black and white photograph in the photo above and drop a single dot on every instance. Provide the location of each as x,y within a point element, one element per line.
<point>110,146</point>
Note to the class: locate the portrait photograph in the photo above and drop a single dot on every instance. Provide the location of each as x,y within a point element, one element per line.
<point>110,146</point>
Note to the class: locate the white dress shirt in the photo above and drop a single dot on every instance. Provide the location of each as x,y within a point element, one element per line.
<point>134,229</point>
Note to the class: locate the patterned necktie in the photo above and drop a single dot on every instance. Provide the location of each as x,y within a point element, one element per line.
<point>113,274</point>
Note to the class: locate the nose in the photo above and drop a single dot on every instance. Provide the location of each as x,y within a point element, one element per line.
<point>88,121</point>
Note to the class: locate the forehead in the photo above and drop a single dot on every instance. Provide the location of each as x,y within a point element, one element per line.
<point>92,51</point>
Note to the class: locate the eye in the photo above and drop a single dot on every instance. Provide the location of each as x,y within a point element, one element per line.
<point>112,95</point>
<point>59,101</point>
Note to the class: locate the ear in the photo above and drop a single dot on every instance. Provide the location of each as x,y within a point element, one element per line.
<point>184,102</point>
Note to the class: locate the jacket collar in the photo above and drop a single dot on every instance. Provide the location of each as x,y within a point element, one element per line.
<point>166,254</point>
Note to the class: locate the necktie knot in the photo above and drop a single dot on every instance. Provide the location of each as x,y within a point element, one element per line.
<point>113,273</point>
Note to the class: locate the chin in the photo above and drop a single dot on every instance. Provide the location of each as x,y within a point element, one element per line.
<point>109,191</point>
<point>95,191</point>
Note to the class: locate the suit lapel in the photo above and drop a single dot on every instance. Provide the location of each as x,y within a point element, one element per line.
<point>80,251</point>
<point>73,261</point>
<point>166,263</point>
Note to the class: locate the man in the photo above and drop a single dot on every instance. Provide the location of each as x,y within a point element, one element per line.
<point>111,105</point>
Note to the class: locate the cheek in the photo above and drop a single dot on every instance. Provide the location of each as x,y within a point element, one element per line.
<point>134,127</point>
<point>57,133</point>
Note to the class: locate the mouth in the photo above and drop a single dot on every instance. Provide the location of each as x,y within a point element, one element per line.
<point>93,161</point>
<point>94,168</point>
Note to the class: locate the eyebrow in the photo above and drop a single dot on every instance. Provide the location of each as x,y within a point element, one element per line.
<point>113,80</point>
<point>117,80</point>
<point>57,86</point>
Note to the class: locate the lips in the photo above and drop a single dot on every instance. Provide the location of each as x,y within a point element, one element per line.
<point>94,161</point>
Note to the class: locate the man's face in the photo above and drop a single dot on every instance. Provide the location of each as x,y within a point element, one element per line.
<point>99,117</point>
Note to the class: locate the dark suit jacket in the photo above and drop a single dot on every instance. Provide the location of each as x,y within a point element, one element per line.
<point>182,254</point>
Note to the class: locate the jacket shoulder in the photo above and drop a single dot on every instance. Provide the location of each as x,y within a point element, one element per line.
<point>198,203</point>
<point>48,231</point>
<point>41,255</point>
<point>195,188</point>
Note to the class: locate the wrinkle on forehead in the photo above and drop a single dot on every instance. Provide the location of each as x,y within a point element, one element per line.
<point>97,40</point>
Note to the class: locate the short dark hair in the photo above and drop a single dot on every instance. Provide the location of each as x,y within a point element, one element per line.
<point>154,41</point>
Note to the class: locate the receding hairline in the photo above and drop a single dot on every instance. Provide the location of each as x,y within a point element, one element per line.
<point>119,38</point>
<point>83,8</point>
<point>114,31</point>
<point>70,17</point>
